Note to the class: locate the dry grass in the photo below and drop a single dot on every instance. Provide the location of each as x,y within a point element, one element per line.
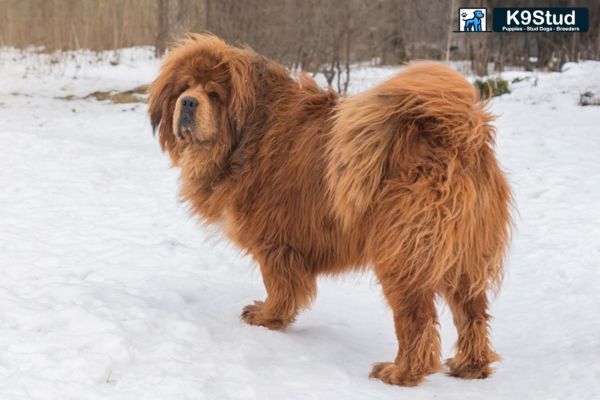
<point>135,95</point>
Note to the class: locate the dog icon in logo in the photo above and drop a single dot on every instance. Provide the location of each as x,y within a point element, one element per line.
<point>473,24</point>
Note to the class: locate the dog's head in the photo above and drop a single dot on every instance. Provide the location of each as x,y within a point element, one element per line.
<point>478,14</point>
<point>203,95</point>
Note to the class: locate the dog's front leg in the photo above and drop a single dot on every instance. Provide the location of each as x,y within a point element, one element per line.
<point>290,287</point>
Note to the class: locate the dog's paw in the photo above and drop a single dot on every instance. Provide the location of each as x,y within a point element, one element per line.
<point>469,370</point>
<point>254,314</point>
<point>392,374</point>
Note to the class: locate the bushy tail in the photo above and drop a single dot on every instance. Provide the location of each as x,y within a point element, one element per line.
<point>426,102</point>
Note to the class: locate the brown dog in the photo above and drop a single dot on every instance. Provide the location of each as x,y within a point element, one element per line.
<point>401,177</point>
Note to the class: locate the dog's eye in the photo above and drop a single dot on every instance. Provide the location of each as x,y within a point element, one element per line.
<point>214,96</point>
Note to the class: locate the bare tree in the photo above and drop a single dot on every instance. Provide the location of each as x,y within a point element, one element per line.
<point>163,27</point>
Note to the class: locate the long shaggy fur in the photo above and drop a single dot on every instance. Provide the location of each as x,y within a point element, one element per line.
<point>402,178</point>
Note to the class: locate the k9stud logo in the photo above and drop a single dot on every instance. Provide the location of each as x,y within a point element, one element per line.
<point>541,19</point>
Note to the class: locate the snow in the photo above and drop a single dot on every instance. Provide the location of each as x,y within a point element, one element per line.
<point>109,290</point>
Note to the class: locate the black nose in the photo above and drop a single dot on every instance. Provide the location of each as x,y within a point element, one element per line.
<point>189,103</point>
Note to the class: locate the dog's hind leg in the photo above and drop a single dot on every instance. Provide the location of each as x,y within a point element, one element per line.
<point>290,287</point>
<point>416,324</point>
<point>474,353</point>
<point>484,225</point>
<point>411,251</point>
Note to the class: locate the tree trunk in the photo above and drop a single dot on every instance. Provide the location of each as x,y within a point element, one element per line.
<point>163,28</point>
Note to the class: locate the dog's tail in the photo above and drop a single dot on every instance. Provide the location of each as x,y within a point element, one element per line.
<point>427,106</point>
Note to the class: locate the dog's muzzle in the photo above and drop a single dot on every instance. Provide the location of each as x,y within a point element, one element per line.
<point>187,116</point>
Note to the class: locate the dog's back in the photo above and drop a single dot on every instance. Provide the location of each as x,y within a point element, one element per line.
<point>415,153</point>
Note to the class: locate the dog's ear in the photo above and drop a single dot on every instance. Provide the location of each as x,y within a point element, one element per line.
<point>161,100</point>
<point>242,67</point>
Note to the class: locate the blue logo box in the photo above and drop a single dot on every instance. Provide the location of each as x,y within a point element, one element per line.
<point>540,19</point>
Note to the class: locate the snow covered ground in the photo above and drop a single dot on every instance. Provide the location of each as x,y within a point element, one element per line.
<point>109,290</point>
